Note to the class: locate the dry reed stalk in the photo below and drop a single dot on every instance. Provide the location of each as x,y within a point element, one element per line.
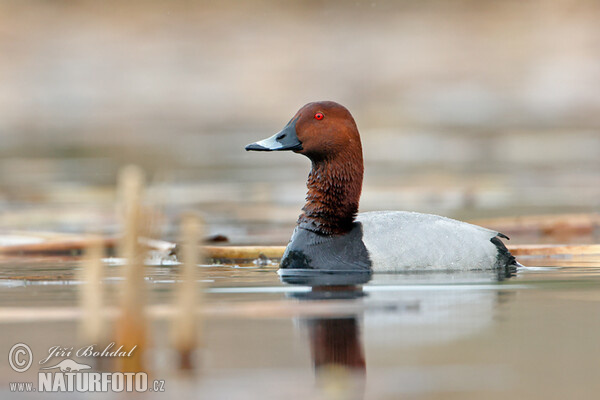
<point>131,327</point>
<point>92,327</point>
<point>185,328</point>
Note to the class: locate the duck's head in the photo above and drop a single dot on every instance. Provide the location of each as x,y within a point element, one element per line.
<point>319,130</point>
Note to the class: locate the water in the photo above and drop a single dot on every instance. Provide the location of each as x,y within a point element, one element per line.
<point>386,336</point>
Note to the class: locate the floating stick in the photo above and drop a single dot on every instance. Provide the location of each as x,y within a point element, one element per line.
<point>554,249</point>
<point>243,252</point>
<point>185,325</point>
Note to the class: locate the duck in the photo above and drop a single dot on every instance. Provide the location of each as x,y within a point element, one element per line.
<point>332,236</point>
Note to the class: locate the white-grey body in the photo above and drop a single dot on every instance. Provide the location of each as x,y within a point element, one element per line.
<point>401,240</point>
<point>396,241</point>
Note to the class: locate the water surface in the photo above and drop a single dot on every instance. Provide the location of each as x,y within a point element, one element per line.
<point>440,335</point>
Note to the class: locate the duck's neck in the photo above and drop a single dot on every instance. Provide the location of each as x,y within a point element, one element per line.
<point>334,187</point>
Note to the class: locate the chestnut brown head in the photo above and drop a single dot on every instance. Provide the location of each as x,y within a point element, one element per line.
<point>319,130</point>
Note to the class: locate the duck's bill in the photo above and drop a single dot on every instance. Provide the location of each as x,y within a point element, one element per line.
<point>284,140</point>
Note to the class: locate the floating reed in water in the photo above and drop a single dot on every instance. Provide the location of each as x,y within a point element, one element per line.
<point>271,252</point>
<point>253,252</point>
<point>50,243</point>
<point>562,227</point>
<point>242,252</point>
<point>185,327</point>
<point>24,243</point>
<point>554,249</point>
<point>131,326</point>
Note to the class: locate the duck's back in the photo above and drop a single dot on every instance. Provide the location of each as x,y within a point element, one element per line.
<point>399,240</point>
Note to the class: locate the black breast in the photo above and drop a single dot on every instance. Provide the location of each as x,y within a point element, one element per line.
<point>310,250</point>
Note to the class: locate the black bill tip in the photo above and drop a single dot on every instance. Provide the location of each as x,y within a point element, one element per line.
<point>256,147</point>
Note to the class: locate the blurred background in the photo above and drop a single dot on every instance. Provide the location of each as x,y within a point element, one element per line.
<point>471,109</point>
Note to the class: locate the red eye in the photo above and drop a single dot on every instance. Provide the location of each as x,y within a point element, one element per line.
<point>319,116</point>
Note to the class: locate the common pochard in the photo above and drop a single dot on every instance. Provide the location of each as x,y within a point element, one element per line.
<point>332,236</point>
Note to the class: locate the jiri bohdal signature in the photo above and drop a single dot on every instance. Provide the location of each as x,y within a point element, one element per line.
<point>88,351</point>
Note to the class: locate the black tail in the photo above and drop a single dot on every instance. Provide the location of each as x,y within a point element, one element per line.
<point>506,262</point>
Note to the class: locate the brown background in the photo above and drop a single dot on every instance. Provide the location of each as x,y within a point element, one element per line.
<point>466,108</point>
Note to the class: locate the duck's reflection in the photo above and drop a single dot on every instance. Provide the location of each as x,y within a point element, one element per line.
<point>419,309</point>
<point>336,347</point>
<point>338,356</point>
